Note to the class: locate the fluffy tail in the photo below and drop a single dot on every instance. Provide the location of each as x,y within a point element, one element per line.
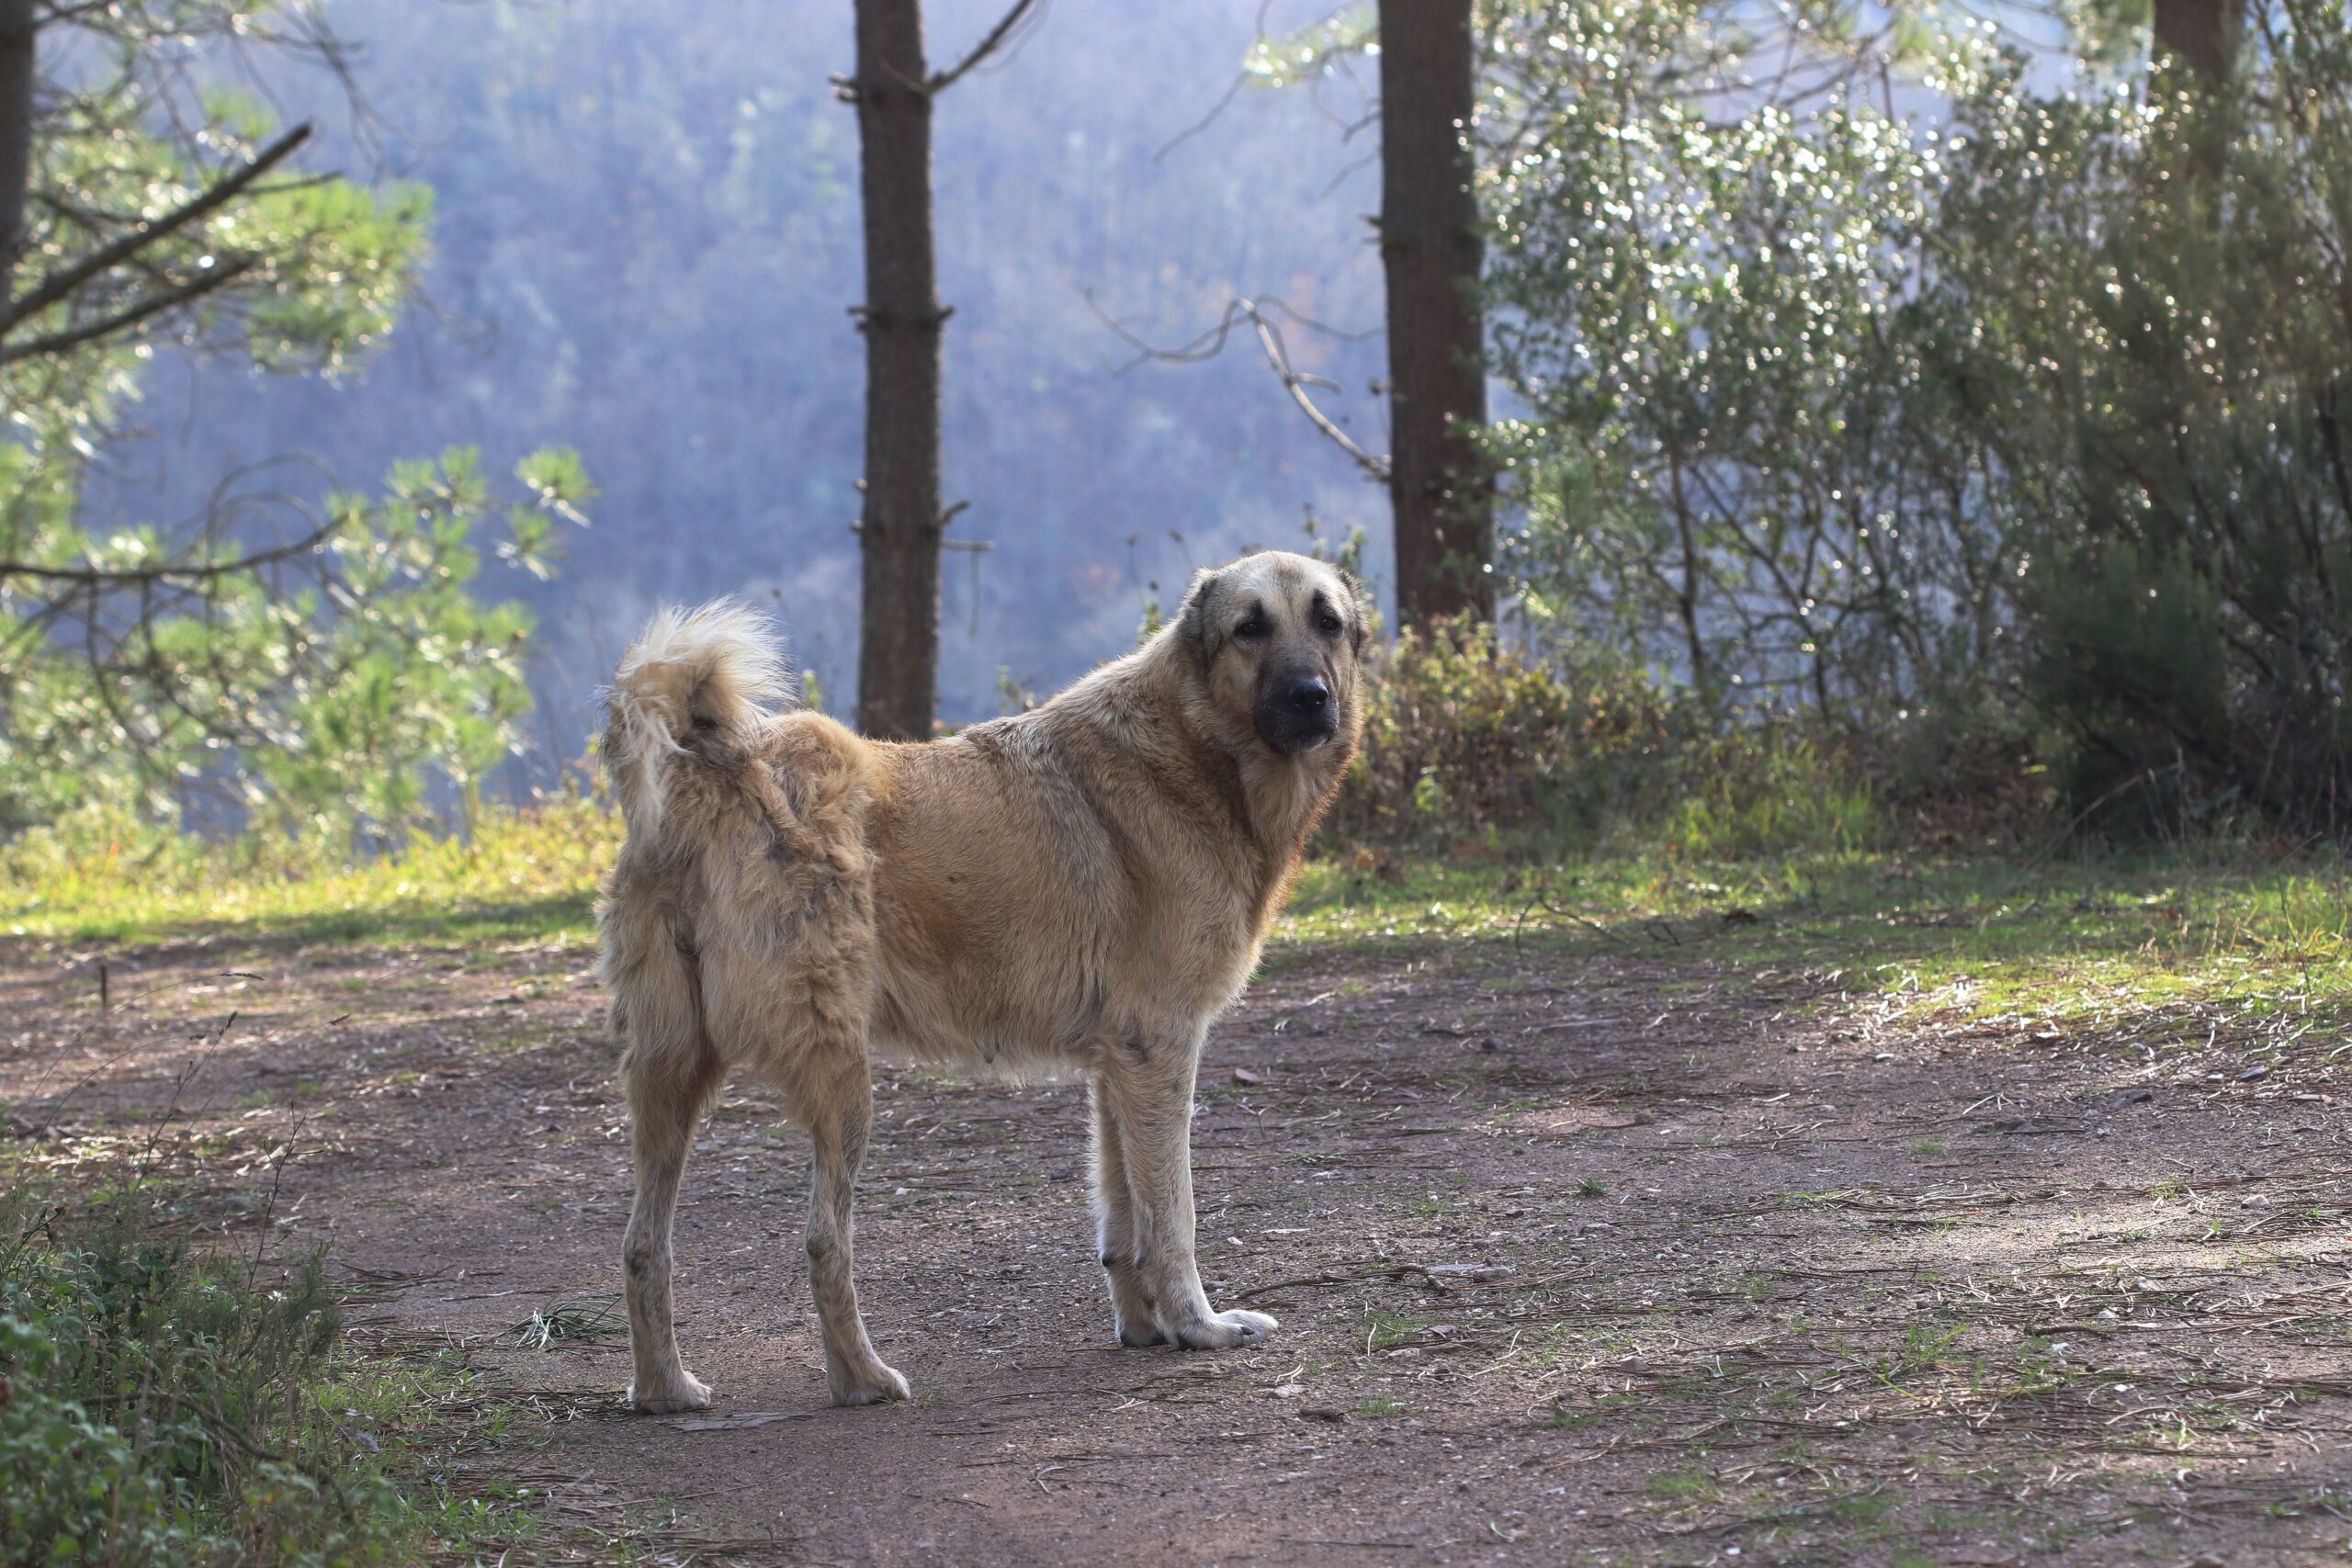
<point>695,681</point>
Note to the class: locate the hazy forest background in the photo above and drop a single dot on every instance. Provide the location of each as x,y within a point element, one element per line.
<point>1944,403</point>
<point>645,245</point>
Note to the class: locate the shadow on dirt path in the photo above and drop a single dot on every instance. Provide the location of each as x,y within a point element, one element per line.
<point>1580,1258</point>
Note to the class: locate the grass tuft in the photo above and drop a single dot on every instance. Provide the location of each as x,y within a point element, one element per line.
<point>564,1322</point>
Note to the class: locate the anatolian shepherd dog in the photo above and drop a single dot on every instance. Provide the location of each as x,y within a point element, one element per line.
<point>1086,884</point>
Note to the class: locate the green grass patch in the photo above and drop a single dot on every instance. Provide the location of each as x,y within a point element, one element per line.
<point>1603,1407</point>
<point>570,1322</point>
<point>521,875</point>
<point>2067,943</point>
<point>2081,940</point>
<point>1386,1330</point>
<point>1859,1508</point>
<point>1683,1486</point>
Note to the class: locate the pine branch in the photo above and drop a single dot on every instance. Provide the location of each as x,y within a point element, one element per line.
<point>184,571</point>
<point>62,282</point>
<point>130,315</point>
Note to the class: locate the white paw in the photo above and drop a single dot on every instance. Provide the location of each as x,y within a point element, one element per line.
<point>686,1392</point>
<point>876,1385</point>
<point>1223,1330</point>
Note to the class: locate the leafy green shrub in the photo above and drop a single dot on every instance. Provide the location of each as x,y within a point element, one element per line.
<point>1468,740</point>
<point>2155,346</point>
<point>2026,412</point>
<point>1463,737</point>
<point>1769,789</point>
<point>1692,306</point>
<point>159,1407</point>
<point>1473,741</point>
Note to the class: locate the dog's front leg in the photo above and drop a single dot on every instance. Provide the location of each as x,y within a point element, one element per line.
<point>1134,1318</point>
<point>1150,1083</point>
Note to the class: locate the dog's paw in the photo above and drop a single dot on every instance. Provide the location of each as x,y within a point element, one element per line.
<point>1137,1334</point>
<point>1224,1330</point>
<point>877,1385</point>
<point>688,1392</point>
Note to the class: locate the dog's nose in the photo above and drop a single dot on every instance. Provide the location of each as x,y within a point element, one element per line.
<point>1307,696</point>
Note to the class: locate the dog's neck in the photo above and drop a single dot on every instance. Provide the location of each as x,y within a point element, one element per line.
<point>1274,800</point>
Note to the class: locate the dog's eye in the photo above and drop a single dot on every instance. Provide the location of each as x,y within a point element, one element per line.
<point>1328,622</point>
<point>1250,630</point>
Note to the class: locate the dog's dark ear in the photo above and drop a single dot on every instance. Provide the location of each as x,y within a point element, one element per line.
<point>1196,617</point>
<point>1361,609</point>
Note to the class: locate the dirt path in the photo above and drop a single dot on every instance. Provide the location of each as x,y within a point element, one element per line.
<point>1580,1257</point>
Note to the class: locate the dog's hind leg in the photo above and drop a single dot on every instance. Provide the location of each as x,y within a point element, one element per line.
<point>833,1095</point>
<point>1132,1313</point>
<point>1151,1086</point>
<point>668,1090</point>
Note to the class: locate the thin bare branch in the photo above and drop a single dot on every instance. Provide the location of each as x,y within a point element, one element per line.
<point>1232,91</point>
<point>1278,357</point>
<point>1210,343</point>
<point>943,80</point>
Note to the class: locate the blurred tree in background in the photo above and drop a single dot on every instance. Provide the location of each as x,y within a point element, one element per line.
<point>313,656</point>
<point>900,526</point>
<point>1432,249</point>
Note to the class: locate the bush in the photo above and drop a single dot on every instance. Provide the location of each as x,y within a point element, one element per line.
<point>1769,789</point>
<point>159,1407</point>
<point>2161,350</point>
<point>2029,411</point>
<point>1474,742</point>
<point>1465,738</point>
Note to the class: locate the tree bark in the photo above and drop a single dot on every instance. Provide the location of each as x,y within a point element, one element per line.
<point>898,535</point>
<point>1432,252</point>
<point>2199,33</point>
<point>2198,40</point>
<point>16,134</point>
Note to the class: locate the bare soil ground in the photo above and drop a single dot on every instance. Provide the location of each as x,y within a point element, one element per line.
<point>1582,1254</point>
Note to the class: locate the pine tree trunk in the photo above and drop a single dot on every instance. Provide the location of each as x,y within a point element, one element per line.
<point>2199,32</point>
<point>16,134</point>
<point>2201,37</point>
<point>898,649</point>
<point>1433,250</point>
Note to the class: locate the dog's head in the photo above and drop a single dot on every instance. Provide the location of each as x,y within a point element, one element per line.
<point>1280,639</point>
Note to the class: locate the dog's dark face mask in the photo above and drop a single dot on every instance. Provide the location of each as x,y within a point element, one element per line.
<point>1281,633</point>
<point>1295,710</point>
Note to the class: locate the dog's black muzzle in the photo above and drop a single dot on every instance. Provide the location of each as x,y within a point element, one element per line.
<point>1295,713</point>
